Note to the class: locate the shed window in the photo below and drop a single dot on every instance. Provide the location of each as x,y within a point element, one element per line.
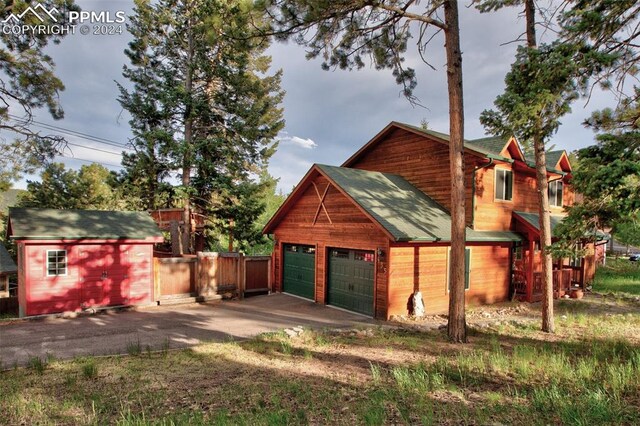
<point>504,184</point>
<point>467,268</point>
<point>555,193</point>
<point>56,262</point>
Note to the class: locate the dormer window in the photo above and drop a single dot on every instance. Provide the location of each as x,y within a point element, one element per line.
<point>504,184</point>
<point>555,193</point>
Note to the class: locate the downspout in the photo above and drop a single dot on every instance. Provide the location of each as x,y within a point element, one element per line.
<point>473,191</point>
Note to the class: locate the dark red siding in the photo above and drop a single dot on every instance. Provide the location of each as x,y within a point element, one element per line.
<point>98,274</point>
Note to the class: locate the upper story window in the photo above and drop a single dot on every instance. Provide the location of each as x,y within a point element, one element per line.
<point>56,262</point>
<point>504,184</point>
<point>555,193</point>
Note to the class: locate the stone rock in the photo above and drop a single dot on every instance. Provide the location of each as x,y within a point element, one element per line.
<point>290,332</point>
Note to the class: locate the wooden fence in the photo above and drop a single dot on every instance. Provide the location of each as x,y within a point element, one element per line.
<point>174,276</point>
<point>212,274</point>
<point>9,305</point>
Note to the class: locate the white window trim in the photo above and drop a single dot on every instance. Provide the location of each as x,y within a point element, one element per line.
<point>495,185</point>
<point>555,183</point>
<point>66,258</point>
<point>447,287</point>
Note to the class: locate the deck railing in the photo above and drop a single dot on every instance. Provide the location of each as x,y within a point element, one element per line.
<point>562,279</point>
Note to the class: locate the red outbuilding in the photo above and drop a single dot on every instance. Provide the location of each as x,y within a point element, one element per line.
<point>70,260</point>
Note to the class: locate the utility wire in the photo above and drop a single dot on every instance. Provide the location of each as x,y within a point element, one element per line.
<point>88,161</point>
<point>70,132</point>
<point>95,149</point>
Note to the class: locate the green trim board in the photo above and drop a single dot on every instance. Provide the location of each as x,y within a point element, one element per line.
<point>405,212</point>
<point>54,224</point>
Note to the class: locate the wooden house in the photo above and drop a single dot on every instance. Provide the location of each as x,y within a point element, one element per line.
<point>7,268</point>
<point>367,235</point>
<point>70,260</point>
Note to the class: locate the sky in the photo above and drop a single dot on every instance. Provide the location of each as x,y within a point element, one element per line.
<point>328,114</point>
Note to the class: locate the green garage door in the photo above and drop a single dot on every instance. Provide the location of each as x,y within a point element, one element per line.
<point>299,270</point>
<point>351,280</point>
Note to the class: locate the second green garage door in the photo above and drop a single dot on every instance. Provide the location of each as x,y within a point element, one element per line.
<point>350,280</point>
<point>300,270</point>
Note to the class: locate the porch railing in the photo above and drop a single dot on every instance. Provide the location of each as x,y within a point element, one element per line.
<point>562,279</point>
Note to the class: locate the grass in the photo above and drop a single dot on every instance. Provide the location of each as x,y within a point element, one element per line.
<point>618,276</point>
<point>588,373</point>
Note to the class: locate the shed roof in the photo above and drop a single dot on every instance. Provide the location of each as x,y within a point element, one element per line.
<point>7,265</point>
<point>28,223</point>
<point>404,211</point>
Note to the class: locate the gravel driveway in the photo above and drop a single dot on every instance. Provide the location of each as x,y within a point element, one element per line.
<point>111,332</point>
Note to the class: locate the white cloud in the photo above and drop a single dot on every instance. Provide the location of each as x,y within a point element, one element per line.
<point>295,140</point>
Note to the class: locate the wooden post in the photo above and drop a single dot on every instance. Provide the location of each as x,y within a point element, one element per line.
<point>176,238</point>
<point>231,223</point>
<point>532,247</point>
<point>269,280</point>
<point>199,272</point>
<point>157,287</point>
<point>240,277</point>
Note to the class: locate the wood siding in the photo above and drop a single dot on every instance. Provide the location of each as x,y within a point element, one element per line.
<point>423,162</point>
<point>348,228</point>
<point>424,268</point>
<point>495,215</point>
<point>97,274</point>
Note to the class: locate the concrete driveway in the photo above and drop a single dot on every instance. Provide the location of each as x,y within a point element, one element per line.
<point>110,332</point>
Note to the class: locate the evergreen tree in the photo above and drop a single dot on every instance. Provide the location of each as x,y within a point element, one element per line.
<point>346,33</point>
<point>543,82</point>
<point>202,101</point>
<point>59,188</point>
<point>28,82</point>
<point>608,177</point>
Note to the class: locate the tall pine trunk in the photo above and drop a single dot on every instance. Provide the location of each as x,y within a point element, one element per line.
<point>457,327</point>
<point>188,141</point>
<point>543,195</point>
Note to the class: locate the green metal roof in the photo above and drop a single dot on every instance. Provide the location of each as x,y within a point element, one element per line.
<point>7,265</point>
<point>407,213</point>
<point>80,224</point>
<point>533,219</point>
<point>493,144</point>
<point>551,157</point>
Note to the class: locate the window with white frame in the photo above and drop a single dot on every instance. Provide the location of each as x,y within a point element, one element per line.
<point>504,184</point>
<point>56,262</point>
<point>555,193</point>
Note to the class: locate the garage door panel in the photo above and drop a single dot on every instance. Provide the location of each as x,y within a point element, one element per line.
<point>299,274</point>
<point>351,280</point>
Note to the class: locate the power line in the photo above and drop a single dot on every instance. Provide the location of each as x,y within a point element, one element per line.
<point>94,149</point>
<point>70,132</point>
<point>89,161</point>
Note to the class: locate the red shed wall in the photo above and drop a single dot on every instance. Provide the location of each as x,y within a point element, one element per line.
<point>98,274</point>
<point>423,162</point>
<point>349,228</point>
<point>424,268</point>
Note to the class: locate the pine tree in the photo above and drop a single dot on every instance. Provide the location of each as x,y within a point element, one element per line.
<point>208,105</point>
<point>27,83</point>
<point>543,82</point>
